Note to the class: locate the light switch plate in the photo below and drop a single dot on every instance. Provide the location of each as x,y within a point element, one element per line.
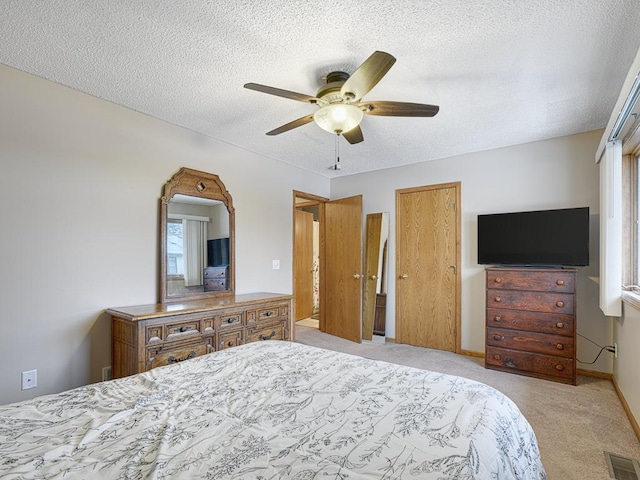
<point>276,265</point>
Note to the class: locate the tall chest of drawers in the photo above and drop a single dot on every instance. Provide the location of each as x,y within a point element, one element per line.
<point>531,322</point>
<point>149,336</point>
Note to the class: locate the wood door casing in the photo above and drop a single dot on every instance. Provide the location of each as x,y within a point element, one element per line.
<point>341,267</point>
<point>303,264</point>
<point>427,266</point>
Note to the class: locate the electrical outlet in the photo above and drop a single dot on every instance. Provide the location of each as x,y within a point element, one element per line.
<point>276,265</point>
<point>107,373</point>
<point>29,379</point>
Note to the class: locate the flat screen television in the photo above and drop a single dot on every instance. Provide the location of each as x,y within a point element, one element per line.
<point>538,238</point>
<point>218,252</point>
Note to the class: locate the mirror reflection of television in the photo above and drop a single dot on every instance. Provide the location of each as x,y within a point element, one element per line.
<point>218,252</point>
<point>538,238</point>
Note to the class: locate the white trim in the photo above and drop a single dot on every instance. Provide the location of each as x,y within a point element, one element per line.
<point>611,230</point>
<point>620,113</point>
<point>632,299</point>
<point>180,216</point>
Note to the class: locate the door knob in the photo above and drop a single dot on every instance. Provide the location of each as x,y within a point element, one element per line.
<point>373,277</point>
<point>404,276</point>
<point>356,276</point>
<point>455,268</point>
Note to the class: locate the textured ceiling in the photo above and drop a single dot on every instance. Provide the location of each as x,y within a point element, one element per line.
<point>503,72</point>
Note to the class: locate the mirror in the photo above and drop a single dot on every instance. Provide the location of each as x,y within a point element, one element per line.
<point>375,280</point>
<point>196,238</point>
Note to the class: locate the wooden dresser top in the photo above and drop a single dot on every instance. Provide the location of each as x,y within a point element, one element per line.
<point>144,312</point>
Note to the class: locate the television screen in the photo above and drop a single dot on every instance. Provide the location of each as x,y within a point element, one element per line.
<point>218,252</point>
<point>543,238</point>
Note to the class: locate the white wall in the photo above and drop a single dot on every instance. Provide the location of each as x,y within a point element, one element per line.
<point>557,173</point>
<point>80,182</point>
<point>626,366</point>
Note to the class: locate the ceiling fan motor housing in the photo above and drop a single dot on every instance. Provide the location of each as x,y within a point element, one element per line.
<point>330,92</point>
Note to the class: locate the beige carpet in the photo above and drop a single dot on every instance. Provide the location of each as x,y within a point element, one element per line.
<point>309,322</point>
<point>574,425</point>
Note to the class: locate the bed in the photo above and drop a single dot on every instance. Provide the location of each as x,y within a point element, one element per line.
<point>271,410</point>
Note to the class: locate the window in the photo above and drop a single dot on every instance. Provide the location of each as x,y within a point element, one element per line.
<point>175,247</point>
<point>631,209</point>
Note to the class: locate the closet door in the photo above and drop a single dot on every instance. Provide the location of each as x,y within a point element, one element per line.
<point>427,266</point>
<point>341,269</point>
<point>303,264</point>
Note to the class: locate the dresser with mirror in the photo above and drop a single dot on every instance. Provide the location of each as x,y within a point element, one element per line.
<point>199,311</point>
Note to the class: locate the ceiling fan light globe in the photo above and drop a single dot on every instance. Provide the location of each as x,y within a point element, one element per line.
<point>338,117</point>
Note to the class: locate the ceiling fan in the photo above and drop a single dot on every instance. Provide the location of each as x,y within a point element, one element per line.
<point>340,103</point>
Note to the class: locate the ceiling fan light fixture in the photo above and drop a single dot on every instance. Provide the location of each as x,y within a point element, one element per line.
<point>338,117</point>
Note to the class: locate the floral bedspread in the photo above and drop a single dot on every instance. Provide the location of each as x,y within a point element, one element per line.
<point>271,410</point>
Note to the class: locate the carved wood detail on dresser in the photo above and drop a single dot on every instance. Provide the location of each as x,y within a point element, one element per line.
<point>531,322</point>
<point>149,336</point>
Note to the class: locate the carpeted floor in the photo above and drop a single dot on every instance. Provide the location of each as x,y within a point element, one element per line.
<point>574,425</point>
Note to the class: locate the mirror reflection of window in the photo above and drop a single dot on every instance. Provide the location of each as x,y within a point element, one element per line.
<point>175,247</point>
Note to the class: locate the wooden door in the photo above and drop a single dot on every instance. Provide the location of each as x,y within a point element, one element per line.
<point>341,268</point>
<point>373,231</point>
<point>303,264</point>
<point>427,266</point>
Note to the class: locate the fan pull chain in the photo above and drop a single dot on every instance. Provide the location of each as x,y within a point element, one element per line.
<point>336,164</point>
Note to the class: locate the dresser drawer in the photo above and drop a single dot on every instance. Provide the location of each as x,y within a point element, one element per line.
<point>157,357</point>
<point>544,281</point>
<point>229,320</point>
<point>531,342</point>
<point>544,366</point>
<point>271,313</point>
<point>531,301</point>
<point>181,330</point>
<point>216,272</point>
<point>274,331</point>
<point>557,324</point>
<point>214,284</point>
<point>228,339</point>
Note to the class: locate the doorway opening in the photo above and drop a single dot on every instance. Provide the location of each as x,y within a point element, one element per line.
<point>306,258</point>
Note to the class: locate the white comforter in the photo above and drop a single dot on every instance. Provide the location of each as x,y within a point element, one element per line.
<point>271,410</point>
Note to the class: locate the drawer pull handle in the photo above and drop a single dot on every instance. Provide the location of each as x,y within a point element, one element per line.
<point>173,359</point>
<point>497,299</point>
<point>231,320</point>
<point>559,367</point>
<point>559,346</point>
<point>184,328</point>
<point>560,282</point>
<point>498,280</point>
<point>559,325</point>
<point>559,304</point>
<point>231,343</point>
<point>497,337</point>
<point>267,337</point>
<point>496,357</point>
<point>268,314</point>
<point>497,318</point>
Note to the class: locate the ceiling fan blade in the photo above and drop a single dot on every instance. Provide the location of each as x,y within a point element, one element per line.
<point>367,75</point>
<point>399,109</point>
<point>354,135</point>
<point>278,92</point>
<point>291,125</point>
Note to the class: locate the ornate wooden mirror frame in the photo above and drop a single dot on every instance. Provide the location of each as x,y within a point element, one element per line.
<point>187,276</point>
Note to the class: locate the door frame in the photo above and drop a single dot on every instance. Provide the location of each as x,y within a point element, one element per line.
<point>320,201</point>
<point>458,209</point>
